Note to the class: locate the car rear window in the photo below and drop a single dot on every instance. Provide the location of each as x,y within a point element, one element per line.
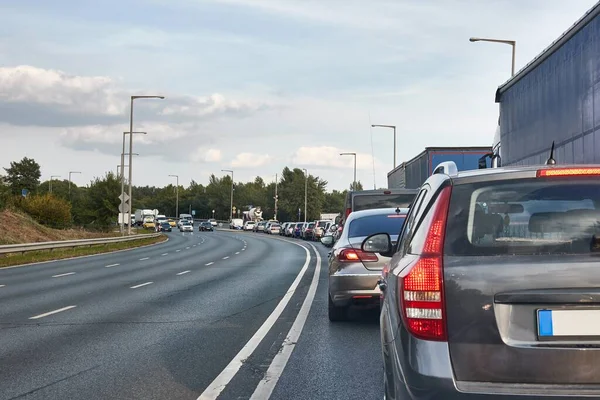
<point>532,216</point>
<point>368,225</point>
<point>322,224</point>
<point>369,202</point>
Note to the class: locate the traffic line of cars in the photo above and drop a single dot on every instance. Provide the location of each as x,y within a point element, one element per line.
<point>185,224</point>
<point>487,283</point>
<point>303,230</point>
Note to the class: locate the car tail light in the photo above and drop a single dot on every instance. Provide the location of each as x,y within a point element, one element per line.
<point>556,172</point>
<point>422,284</point>
<point>355,255</point>
<point>348,211</point>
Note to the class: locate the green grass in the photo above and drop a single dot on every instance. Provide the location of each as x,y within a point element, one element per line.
<point>59,254</point>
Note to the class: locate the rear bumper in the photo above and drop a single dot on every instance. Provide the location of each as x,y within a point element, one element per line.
<point>355,288</point>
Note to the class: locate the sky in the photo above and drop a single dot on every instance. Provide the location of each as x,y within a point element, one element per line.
<point>257,85</point>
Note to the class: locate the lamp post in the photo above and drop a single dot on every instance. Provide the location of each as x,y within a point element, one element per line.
<point>231,205</point>
<point>71,172</point>
<point>276,197</point>
<point>50,182</point>
<point>394,128</point>
<point>305,191</point>
<point>177,196</point>
<point>511,43</point>
<point>130,155</point>
<point>122,178</point>
<point>354,181</point>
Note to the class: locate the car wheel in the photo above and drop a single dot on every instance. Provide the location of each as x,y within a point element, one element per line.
<point>337,314</point>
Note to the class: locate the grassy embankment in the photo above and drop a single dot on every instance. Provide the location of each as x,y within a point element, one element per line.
<point>16,228</point>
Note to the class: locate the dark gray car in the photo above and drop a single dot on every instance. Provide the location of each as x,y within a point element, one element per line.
<point>353,275</point>
<point>493,290</point>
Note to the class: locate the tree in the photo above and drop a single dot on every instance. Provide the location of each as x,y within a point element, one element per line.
<point>359,186</point>
<point>102,202</point>
<point>24,174</point>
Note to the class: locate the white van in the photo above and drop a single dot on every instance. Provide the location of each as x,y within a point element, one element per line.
<point>236,223</point>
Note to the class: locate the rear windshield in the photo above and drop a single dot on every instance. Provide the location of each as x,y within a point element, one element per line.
<point>533,216</point>
<point>275,225</point>
<point>299,225</point>
<point>368,225</point>
<point>369,202</point>
<point>311,225</point>
<point>322,224</point>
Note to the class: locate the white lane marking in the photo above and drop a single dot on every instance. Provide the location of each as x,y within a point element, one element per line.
<point>225,258</point>
<point>195,245</point>
<point>141,284</point>
<point>237,252</point>
<point>177,251</point>
<point>184,272</point>
<point>144,259</point>
<point>52,312</point>
<point>210,263</point>
<point>2,285</point>
<point>187,248</point>
<point>164,254</point>
<point>60,275</point>
<point>244,249</point>
<point>222,380</point>
<point>111,265</point>
<point>267,384</point>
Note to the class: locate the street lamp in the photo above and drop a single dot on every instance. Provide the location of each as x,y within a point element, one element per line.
<point>177,196</point>
<point>352,154</point>
<point>231,206</point>
<point>71,172</point>
<point>305,191</point>
<point>130,150</point>
<point>122,177</point>
<point>276,197</point>
<point>512,43</point>
<point>394,128</point>
<point>50,182</point>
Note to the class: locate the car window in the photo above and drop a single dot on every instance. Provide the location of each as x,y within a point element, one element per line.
<point>415,209</point>
<point>368,225</point>
<point>532,216</point>
<point>369,202</point>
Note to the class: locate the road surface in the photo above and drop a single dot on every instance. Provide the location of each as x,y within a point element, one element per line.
<point>201,316</point>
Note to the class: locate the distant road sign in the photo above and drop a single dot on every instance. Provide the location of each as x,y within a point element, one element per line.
<point>24,192</point>
<point>124,208</point>
<point>193,212</point>
<point>126,197</point>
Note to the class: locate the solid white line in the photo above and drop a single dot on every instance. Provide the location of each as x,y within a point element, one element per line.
<point>52,312</point>
<point>2,285</point>
<point>225,258</point>
<point>68,273</point>
<point>210,263</point>
<point>222,380</point>
<point>237,252</point>
<point>164,254</point>
<point>140,285</point>
<point>267,384</point>
<point>177,250</point>
<point>111,265</point>
<point>144,259</point>
<point>184,272</point>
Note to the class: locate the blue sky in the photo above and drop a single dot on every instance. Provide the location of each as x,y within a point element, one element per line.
<point>256,85</point>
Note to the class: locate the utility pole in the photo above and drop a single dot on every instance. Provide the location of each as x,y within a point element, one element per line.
<point>176,196</point>
<point>231,206</point>
<point>71,172</point>
<point>276,197</point>
<point>50,182</point>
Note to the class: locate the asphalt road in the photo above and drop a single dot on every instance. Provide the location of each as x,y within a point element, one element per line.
<point>202,316</point>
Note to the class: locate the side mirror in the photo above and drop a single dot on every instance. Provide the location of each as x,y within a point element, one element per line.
<point>378,243</point>
<point>327,240</point>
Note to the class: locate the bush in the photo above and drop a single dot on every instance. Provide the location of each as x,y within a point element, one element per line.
<point>47,210</point>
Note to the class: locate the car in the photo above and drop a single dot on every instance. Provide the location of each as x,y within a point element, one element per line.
<point>308,232</point>
<point>186,226</point>
<point>354,274</point>
<point>298,229</point>
<point>213,222</point>
<point>165,227</point>
<point>149,224</point>
<point>236,223</point>
<point>173,223</point>
<point>249,225</point>
<point>289,231</point>
<point>260,227</point>
<point>493,286</point>
<point>205,226</point>
<point>282,229</point>
<point>273,228</point>
<point>320,228</point>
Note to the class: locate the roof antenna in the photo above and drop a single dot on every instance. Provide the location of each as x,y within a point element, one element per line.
<point>551,160</point>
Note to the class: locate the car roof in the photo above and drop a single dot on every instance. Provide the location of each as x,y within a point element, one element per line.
<point>376,211</point>
<point>509,172</point>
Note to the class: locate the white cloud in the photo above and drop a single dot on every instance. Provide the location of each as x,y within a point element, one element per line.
<point>251,160</point>
<point>202,154</point>
<point>213,104</point>
<point>329,156</point>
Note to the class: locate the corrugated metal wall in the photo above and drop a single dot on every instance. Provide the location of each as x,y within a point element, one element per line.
<point>417,171</point>
<point>396,178</point>
<point>560,101</point>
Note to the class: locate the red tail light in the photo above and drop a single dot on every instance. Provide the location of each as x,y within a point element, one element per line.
<point>348,211</point>
<point>355,255</point>
<point>556,172</point>
<point>422,284</point>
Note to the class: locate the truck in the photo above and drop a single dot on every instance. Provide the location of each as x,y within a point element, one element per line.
<point>143,215</point>
<point>412,173</point>
<point>554,99</point>
<point>254,214</point>
<point>329,216</point>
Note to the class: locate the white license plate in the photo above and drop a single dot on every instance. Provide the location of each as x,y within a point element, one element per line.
<point>568,323</point>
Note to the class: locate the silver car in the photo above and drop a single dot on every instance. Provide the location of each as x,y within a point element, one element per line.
<point>493,291</point>
<point>186,226</point>
<point>354,274</point>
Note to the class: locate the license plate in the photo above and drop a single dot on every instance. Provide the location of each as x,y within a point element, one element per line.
<point>568,323</point>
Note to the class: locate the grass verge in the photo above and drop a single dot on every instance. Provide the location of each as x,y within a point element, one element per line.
<point>9,260</point>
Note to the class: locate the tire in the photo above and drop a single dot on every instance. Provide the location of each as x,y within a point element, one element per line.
<point>336,314</point>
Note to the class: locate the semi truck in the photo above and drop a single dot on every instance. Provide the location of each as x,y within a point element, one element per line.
<point>412,173</point>
<point>145,216</point>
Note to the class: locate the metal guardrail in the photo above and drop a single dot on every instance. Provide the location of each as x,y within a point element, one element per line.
<point>25,247</point>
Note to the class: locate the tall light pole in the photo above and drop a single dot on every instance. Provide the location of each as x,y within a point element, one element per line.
<point>50,182</point>
<point>276,197</point>
<point>354,181</point>
<point>177,196</point>
<point>122,177</point>
<point>512,43</point>
<point>231,206</point>
<point>130,155</point>
<point>71,172</point>
<point>394,128</point>
<point>305,192</point>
